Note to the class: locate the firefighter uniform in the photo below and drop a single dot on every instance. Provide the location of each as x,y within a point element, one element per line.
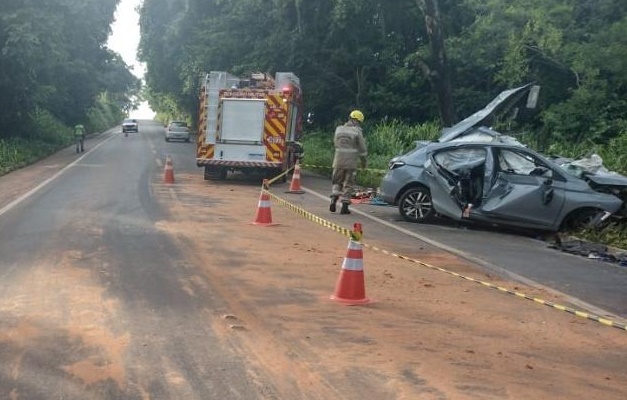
<point>350,151</point>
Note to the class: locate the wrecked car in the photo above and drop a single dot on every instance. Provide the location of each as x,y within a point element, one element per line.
<point>599,178</point>
<point>474,173</point>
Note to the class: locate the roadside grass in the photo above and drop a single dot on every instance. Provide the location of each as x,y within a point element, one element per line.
<point>47,135</point>
<point>385,140</point>
<point>17,152</point>
<point>614,156</point>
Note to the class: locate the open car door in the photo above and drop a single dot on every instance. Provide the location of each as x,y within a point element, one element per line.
<point>456,174</point>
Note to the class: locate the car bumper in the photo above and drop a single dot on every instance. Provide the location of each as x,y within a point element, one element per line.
<point>177,136</point>
<point>396,180</point>
<point>389,188</point>
<point>129,129</point>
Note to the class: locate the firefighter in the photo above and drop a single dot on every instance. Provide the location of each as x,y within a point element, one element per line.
<point>350,150</point>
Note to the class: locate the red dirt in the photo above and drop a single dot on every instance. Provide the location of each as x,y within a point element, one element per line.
<point>428,334</point>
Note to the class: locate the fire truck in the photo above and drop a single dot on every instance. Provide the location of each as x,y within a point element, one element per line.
<point>249,124</point>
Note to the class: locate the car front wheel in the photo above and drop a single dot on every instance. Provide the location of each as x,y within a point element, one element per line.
<point>415,205</point>
<point>579,220</point>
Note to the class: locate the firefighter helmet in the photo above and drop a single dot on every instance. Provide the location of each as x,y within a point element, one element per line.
<point>358,115</point>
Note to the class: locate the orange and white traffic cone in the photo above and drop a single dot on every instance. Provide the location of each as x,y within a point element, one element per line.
<point>168,171</point>
<point>351,287</point>
<point>295,184</point>
<point>264,212</point>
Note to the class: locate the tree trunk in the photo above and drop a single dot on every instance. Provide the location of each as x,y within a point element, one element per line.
<point>438,72</point>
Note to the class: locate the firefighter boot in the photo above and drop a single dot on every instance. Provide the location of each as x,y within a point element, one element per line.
<point>332,205</point>
<point>345,209</point>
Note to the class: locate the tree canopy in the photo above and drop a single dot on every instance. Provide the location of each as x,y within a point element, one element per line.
<point>53,58</point>
<point>413,60</point>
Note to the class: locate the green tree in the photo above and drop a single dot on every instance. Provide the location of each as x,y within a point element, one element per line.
<point>53,57</point>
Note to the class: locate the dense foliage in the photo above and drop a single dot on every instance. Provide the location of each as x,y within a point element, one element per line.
<point>56,71</point>
<point>411,60</point>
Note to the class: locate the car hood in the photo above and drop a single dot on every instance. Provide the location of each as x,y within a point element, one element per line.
<point>500,104</point>
<point>609,179</point>
<point>591,168</point>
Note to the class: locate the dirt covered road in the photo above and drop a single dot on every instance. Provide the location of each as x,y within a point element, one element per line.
<point>427,334</point>
<point>172,293</point>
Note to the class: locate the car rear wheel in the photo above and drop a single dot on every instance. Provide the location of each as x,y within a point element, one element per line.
<point>416,205</point>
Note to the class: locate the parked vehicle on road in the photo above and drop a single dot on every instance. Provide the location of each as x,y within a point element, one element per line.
<point>177,130</point>
<point>249,124</point>
<point>475,173</point>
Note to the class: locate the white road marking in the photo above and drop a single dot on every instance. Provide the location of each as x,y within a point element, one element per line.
<point>37,188</point>
<point>467,256</point>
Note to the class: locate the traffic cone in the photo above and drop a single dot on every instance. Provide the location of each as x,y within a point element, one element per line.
<point>295,184</point>
<point>264,212</point>
<point>351,288</point>
<point>168,171</point>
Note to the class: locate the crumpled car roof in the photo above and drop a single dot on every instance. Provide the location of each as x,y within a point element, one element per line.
<point>474,130</point>
<point>500,104</point>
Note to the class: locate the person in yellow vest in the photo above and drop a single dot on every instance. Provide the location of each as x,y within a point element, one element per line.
<point>79,135</point>
<point>350,151</point>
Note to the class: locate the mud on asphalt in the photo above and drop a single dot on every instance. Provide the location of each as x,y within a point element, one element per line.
<point>427,334</point>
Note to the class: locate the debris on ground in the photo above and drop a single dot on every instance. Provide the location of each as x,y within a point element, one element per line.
<point>367,196</point>
<point>594,251</point>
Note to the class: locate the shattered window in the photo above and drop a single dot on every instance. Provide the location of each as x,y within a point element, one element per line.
<point>459,159</point>
<point>521,164</point>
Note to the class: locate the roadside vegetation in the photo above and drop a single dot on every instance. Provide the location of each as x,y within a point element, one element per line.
<point>47,135</point>
<point>385,140</point>
<point>56,72</point>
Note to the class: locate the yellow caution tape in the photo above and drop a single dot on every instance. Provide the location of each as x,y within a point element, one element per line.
<point>312,166</point>
<point>276,178</point>
<point>351,234</point>
<point>312,217</point>
<point>604,321</point>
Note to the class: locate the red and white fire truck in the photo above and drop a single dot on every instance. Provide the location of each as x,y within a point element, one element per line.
<point>249,124</point>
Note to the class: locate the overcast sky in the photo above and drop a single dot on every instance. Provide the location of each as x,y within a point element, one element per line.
<point>124,40</point>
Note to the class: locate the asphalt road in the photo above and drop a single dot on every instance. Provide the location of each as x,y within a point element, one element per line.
<point>93,227</point>
<point>86,278</point>
<point>597,286</point>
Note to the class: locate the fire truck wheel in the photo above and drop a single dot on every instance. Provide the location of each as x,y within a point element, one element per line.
<point>215,173</point>
<point>283,177</point>
<point>271,174</point>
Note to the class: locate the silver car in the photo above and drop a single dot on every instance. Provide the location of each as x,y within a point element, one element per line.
<point>130,125</point>
<point>177,130</point>
<point>474,173</point>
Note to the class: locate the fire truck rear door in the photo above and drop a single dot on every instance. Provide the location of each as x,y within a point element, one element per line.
<point>242,121</point>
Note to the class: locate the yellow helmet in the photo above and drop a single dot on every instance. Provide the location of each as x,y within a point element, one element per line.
<point>358,115</point>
